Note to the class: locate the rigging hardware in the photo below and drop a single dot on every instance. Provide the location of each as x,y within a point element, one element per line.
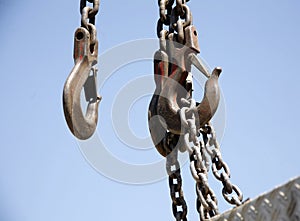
<point>83,76</point>
<point>176,120</point>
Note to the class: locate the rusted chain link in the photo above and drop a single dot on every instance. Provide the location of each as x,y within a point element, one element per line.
<point>180,7</point>
<point>93,12</point>
<point>206,199</point>
<point>163,6</point>
<point>170,146</point>
<point>231,193</point>
<point>198,151</point>
<point>179,206</point>
<point>175,25</point>
<point>88,17</point>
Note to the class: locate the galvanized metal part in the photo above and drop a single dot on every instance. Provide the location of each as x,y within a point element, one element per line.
<point>83,76</point>
<point>280,204</point>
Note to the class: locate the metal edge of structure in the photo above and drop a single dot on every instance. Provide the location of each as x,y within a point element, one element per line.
<point>282,204</point>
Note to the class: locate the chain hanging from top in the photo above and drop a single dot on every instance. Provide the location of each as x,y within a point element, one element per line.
<point>184,120</point>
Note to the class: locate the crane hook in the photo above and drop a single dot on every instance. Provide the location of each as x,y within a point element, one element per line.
<point>83,75</point>
<point>168,104</point>
<point>158,131</point>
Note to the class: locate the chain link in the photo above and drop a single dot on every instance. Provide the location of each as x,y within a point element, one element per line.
<point>88,17</point>
<point>206,199</point>
<point>163,6</point>
<point>95,9</point>
<point>198,151</point>
<point>179,206</point>
<point>176,17</point>
<point>231,193</point>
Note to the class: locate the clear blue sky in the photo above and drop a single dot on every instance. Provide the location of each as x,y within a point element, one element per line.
<point>43,173</point>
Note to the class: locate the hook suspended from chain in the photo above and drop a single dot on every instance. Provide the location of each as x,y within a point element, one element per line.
<point>182,49</point>
<point>183,46</point>
<point>159,133</point>
<point>176,121</point>
<point>83,76</point>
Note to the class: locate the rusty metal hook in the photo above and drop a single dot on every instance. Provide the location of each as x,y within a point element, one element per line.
<point>83,75</point>
<point>173,90</point>
<point>158,129</point>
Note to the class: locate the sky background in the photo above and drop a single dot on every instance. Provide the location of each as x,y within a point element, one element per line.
<point>43,173</point>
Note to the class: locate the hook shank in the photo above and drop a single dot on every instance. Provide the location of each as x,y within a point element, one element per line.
<point>83,75</point>
<point>174,89</point>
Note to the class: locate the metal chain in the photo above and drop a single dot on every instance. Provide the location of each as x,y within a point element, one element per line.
<point>164,18</point>
<point>179,206</point>
<point>206,199</point>
<point>83,76</point>
<point>231,193</point>
<point>177,17</point>
<point>88,17</point>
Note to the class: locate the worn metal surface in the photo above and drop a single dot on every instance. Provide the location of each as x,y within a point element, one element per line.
<point>280,204</point>
<point>83,76</point>
<point>179,206</point>
<point>169,107</point>
<point>207,204</point>
<point>157,130</point>
<point>181,49</point>
<point>175,119</point>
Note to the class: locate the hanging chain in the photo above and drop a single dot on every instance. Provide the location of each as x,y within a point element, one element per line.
<point>176,18</point>
<point>206,199</point>
<point>179,206</point>
<point>199,164</point>
<point>231,193</point>
<point>88,17</point>
<point>207,204</point>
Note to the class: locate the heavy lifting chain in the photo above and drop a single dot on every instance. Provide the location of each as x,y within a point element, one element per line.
<point>88,16</point>
<point>179,206</point>
<point>168,14</point>
<point>207,204</point>
<point>231,193</point>
<point>177,18</point>
<point>199,164</point>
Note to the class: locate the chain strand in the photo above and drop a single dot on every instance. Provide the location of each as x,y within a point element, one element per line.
<point>179,206</point>
<point>175,17</point>
<point>206,199</point>
<point>88,17</point>
<point>231,193</point>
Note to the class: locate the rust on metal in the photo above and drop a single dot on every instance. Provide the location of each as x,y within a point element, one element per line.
<point>83,76</point>
<point>174,88</point>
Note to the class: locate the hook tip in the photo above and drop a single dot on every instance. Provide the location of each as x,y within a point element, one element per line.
<point>217,71</point>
